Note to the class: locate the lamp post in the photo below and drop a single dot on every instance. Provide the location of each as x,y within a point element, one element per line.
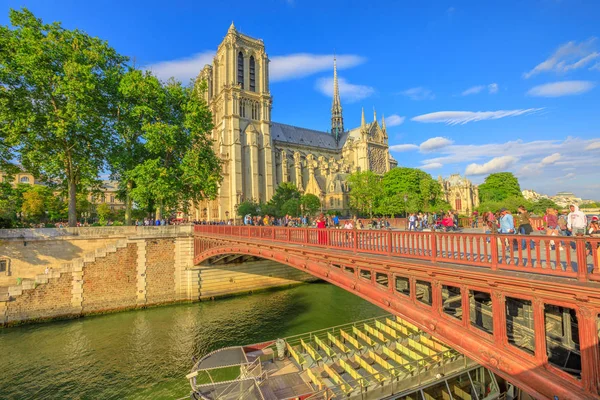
<point>85,215</point>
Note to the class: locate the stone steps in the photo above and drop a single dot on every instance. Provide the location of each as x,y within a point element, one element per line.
<point>74,267</point>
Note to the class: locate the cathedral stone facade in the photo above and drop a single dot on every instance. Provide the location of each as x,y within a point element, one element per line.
<point>259,154</point>
<point>462,195</point>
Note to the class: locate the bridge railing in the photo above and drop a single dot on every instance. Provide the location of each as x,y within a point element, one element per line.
<point>560,256</point>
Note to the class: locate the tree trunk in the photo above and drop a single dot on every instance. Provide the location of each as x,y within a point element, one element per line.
<point>158,210</point>
<point>72,203</point>
<point>128,203</point>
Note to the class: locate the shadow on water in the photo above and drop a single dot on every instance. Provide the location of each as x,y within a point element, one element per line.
<point>147,353</point>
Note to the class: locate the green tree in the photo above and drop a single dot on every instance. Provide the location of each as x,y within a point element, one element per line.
<point>365,191</point>
<point>181,166</point>
<point>291,207</point>
<point>8,208</point>
<point>138,96</point>
<point>310,203</point>
<point>499,186</point>
<point>398,204</point>
<point>59,88</point>
<point>284,192</point>
<point>34,203</point>
<point>422,191</point>
<point>539,207</point>
<point>248,207</point>
<point>103,211</point>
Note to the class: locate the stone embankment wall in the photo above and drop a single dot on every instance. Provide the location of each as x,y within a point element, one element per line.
<point>132,270</point>
<point>30,257</point>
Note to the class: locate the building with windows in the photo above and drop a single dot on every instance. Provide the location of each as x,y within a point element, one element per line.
<point>106,192</point>
<point>259,154</point>
<point>19,177</point>
<point>462,195</point>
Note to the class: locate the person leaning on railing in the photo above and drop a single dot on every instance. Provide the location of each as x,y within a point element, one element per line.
<point>594,231</point>
<point>551,220</point>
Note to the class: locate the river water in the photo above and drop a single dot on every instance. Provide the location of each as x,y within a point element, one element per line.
<point>146,354</point>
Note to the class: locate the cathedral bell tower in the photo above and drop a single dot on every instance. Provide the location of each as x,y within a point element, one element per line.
<point>240,101</point>
<point>337,120</point>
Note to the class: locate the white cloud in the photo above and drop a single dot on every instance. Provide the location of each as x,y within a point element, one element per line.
<point>419,93</point>
<point>434,144</point>
<point>564,88</point>
<point>551,159</point>
<point>494,165</point>
<point>281,68</point>
<point>593,146</point>
<point>531,173</point>
<point>492,89</point>
<point>182,69</point>
<point>570,175</point>
<point>348,92</point>
<point>463,117</point>
<point>569,56</point>
<point>432,166</point>
<point>473,90</point>
<point>300,65</point>
<point>403,147</point>
<point>394,120</point>
<point>595,67</point>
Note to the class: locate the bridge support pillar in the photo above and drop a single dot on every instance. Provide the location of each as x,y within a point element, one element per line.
<point>589,330</point>
<point>184,260</point>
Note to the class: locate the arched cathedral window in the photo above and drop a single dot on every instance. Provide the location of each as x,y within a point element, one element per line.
<point>243,108</point>
<point>241,69</point>
<point>252,75</point>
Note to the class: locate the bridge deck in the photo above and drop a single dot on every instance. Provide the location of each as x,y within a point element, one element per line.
<point>546,255</point>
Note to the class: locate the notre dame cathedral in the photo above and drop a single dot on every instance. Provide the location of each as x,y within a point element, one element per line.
<point>259,154</point>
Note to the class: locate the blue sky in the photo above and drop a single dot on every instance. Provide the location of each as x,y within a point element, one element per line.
<point>468,87</point>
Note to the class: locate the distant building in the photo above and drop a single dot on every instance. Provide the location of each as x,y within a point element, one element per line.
<point>565,199</point>
<point>562,199</point>
<point>107,192</point>
<point>19,177</point>
<point>460,192</point>
<point>532,195</point>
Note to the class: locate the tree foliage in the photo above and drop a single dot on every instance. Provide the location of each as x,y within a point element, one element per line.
<point>499,186</point>
<point>365,191</point>
<point>310,204</point>
<point>138,94</point>
<point>103,211</point>
<point>539,207</point>
<point>275,207</point>
<point>58,87</point>
<point>248,207</point>
<point>423,193</point>
<point>180,166</point>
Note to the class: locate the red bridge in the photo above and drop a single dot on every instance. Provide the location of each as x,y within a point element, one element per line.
<point>527,307</point>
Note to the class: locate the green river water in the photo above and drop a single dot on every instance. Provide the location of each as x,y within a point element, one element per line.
<point>146,354</point>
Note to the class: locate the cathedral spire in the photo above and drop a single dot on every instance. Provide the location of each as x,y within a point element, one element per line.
<point>383,122</point>
<point>374,115</point>
<point>337,121</point>
<point>362,119</point>
<point>231,27</point>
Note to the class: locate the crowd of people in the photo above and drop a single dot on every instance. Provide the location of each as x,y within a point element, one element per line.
<point>567,223</point>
